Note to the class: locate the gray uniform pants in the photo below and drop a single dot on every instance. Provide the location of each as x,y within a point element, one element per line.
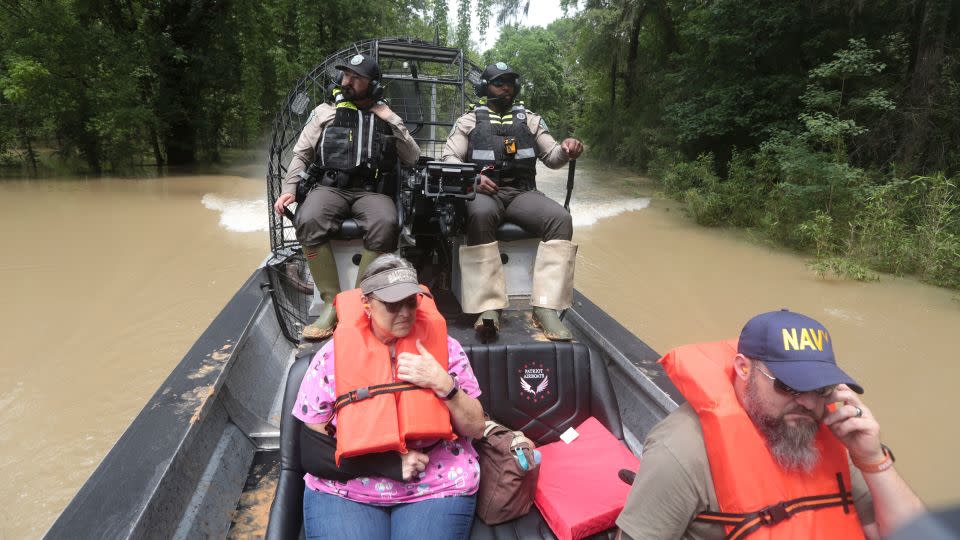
<point>532,210</point>
<point>319,217</point>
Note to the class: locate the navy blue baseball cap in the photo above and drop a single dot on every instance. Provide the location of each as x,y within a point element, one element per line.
<point>797,349</point>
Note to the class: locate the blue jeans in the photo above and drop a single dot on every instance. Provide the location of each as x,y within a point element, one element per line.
<point>330,516</point>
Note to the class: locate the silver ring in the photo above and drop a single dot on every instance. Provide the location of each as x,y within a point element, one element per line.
<point>859,412</point>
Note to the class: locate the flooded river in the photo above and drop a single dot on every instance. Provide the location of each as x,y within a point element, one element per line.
<point>107,282</point>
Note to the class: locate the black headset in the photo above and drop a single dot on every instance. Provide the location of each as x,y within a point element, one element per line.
<point>375,90</point>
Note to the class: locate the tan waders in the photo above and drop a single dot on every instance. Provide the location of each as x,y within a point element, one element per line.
<point>365,259</point>
<point>483,287</point>
<point>553,286</point>
<point>323,268</point>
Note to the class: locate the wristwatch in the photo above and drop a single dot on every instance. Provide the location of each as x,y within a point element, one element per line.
<point>453,391</point>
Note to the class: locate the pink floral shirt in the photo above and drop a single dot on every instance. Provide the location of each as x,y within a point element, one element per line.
<point>453,468</point>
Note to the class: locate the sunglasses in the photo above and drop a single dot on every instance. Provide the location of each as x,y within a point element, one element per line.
<point>410,302</point>
<point>499,83</point>
<point>781,387</point>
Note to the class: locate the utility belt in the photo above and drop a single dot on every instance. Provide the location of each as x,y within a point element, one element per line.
<point>528,183</point>
<point>358,180</point>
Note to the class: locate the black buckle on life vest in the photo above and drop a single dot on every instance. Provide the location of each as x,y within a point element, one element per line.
<point>773,514</point>
<point>360,394</point>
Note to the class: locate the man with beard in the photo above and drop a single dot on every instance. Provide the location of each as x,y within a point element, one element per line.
<point>773,441</point>
<point>343,166</point>
<point>505,140</point>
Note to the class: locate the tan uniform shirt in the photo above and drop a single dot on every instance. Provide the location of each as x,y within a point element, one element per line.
<point>305,149</point>
<point>674,484</point>
<point>548,149</point>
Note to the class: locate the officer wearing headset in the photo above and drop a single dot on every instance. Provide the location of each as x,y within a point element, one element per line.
<point>506,140</point>
<point>346,155</point>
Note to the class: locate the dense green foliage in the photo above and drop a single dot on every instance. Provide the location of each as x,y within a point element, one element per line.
<point>110,84</point>
<point>831,127</point>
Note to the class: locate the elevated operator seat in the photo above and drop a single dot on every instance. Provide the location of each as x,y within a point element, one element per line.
<point>540,388</point>
<point>518,251</point>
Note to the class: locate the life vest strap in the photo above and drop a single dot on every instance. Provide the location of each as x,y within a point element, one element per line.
<point>366,392</point>
<point>746,523</point>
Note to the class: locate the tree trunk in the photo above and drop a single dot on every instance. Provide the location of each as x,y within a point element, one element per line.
<point>923,91</point>
<point>613,83</point>
<point>157,153</point>
<point>630,81</point>
<point>181,144</point>
<point>28,146</point>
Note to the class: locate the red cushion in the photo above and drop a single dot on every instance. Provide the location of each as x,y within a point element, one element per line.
<point>579,492</point>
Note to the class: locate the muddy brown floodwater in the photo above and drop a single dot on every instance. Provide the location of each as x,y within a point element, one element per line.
<point>106,283</point>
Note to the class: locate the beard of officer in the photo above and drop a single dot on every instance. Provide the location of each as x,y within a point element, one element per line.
<point>791,444</point>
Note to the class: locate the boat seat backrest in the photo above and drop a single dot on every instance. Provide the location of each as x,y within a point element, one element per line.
<point>286,512</point>
<point>544,388</point>
<point>540,388</point>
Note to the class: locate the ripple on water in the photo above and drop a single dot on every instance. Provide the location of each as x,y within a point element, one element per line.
<point>846,315</point>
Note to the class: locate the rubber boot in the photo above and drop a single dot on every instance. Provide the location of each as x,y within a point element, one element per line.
<point>483,288</point>
<point>323,268</point>
<point>548,321</point>
<point>487,325</point>
<point>553,287</point>
<point>366,258</point>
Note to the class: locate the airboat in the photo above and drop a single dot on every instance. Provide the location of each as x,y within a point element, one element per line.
<point>214,451</point>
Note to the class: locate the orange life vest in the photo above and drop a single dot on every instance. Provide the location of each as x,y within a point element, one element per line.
<point>756,495</point>
<point>394,412</point>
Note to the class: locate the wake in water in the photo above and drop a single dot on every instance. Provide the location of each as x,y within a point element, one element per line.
<point>238,215</point>
<point>598,194</point>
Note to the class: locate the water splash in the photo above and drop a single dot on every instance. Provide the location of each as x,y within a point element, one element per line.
<point>238,215</point>
<point>587,213</point>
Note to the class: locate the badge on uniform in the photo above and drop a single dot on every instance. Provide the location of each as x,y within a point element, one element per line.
<point>543,125</point>
<point>521,116</point>
<point>501,65</point>
<point>356,60</point>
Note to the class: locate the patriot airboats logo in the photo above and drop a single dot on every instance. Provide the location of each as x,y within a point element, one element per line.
<point>534,383</point>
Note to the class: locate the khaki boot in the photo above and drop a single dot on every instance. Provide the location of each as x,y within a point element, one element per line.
<point>365,259</point>
<point>482,285</point>
<point>323,268</point>
<point>553,287</point>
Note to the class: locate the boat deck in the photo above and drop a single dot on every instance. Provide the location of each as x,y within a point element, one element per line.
<point>252,514</point>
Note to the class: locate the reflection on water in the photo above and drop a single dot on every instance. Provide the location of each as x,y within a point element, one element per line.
<point>107,282</point>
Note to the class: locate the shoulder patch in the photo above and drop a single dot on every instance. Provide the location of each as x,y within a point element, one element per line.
<point>543,124</point>
<point>313,114</point>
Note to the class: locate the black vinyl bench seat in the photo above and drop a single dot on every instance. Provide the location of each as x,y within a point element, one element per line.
<point>514,393</point>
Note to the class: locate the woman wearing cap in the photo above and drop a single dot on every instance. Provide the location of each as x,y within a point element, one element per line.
<point>393,389</point>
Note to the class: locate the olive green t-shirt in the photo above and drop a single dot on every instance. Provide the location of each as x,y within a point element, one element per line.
<point>674,484</point>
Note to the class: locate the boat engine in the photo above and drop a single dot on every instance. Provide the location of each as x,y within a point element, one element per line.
<point>431,199</point>
<point>431,204</point>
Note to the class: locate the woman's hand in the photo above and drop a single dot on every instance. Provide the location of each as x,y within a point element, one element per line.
<point>413,463</point>
<point>424,371</point>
